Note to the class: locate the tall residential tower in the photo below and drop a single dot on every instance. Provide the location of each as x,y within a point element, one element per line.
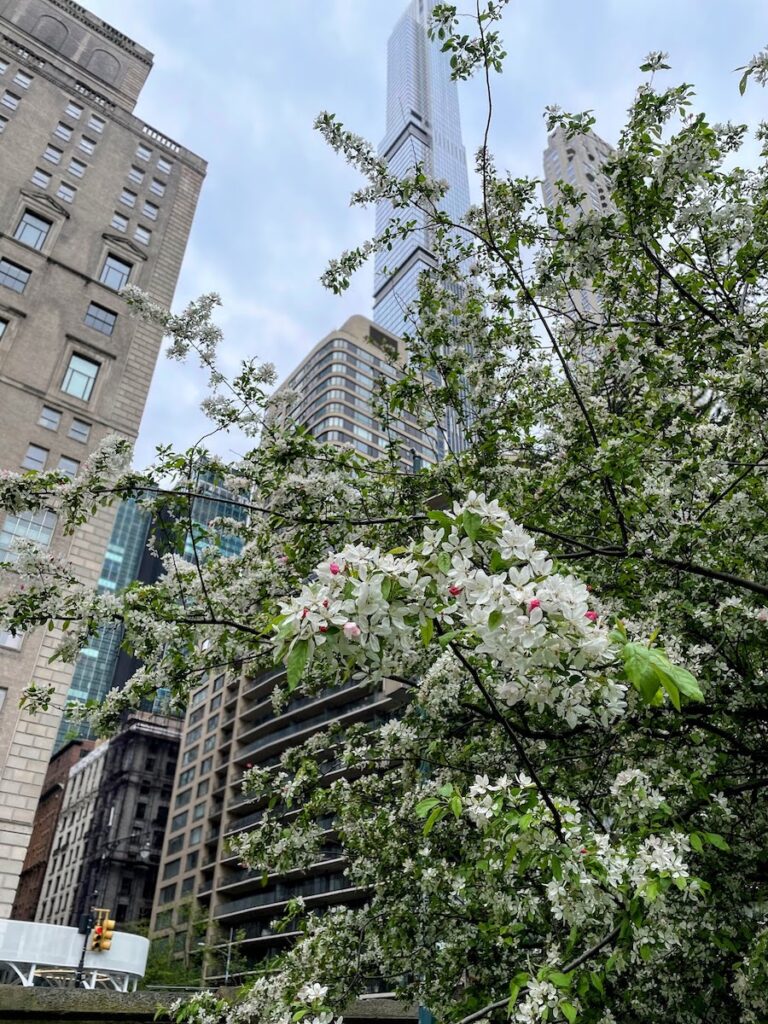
<point>91,198</point>
<point>423,127</point>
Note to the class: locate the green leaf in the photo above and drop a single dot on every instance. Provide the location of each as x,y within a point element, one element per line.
<point>455,805</point>
<point>569,1011</point>
<point>559,979</point>
<point>435,816</point>
<point>695,840</point>
<point>646,952</point>
<point>743,82</point>
<point>472,524</point>
<point>649,669</point>
<point>716,840</point>
<point>423,807</point>
<point>494,619</point>
<point>297,661</point>
<point>427,631</point>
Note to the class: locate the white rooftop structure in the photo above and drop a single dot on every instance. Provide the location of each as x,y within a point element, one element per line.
<point>37,953</point>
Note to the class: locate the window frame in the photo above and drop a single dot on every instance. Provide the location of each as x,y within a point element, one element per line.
<point>43,421</point>
<point>69,377</point>
<point>35,458</point>
<point>63,189</point>
<point>26,223</point>
<point>16,266</point>
<point>91,319</point>
<point>107,270</point>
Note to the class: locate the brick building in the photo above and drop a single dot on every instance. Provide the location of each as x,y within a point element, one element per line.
<point>44,828</point>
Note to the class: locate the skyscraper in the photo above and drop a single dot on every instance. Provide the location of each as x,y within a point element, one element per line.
<point>423,127</point>
<point>91,198</point>
<point>578,161</point>
<point>335,386</point>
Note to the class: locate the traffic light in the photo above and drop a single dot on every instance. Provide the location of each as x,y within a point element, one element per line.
<point>108,930</point>
<point>102,934</point>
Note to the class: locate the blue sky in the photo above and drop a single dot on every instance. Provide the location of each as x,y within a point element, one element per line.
<point>240,82</point>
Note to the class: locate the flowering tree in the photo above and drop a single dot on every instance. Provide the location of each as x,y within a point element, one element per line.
<point>566,821</point>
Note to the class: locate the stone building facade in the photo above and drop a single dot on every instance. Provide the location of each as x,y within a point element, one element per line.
<point>62,874</point>
<point>44,828</point>
<point>110,832</point>
<point>91,198</point>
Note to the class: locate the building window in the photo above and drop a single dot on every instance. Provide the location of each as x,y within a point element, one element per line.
<point>157,187</point>
<point>187,886</point>
<point>196,835</point>
<point>3,123</point>
<point>143,152</point>
<point>77,167</point>
<point>32,230</point>
<point>63,131</point>
<point>168,893</point>
<point>13,276</point>
<point>202,788</point>
<point>10,100</point>
<point>34,526</point>
<point>35,458</point>
<point>150,210</point>
<point>40,178</point>
<point>182,799</point>
<point>74,110</point>
<point>3,325</point>
<point>119,221</point>
<point>115,272</point>
<point>66,192</point>
<point>11,643</point>
<point>199,812</point>
<point>80,431</point>
<point>143,235</point>
<point>179,821</point>
<point>87,145</point>
<point>80,377</point>
<point>69,467</point>
<point>3,66</point>
<point>100,319</point>
<point>136,175</point>
<point>128,198</point>
<point>22,79</point>
<point>206,765</point>
<point>49,418</point>
<point>164,166</point>
<point>53,154</point>
<point>172,868</point>
<point>96,123</point>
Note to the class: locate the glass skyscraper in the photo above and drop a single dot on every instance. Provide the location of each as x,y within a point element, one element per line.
<point>423,127</point>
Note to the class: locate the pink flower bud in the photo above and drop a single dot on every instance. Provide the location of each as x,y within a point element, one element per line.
<point>326,602</point>
<point>454,590</point>
<point>335,568</point>
<point>592,616</point>
<point>304,613</point>
<point>351,630</point>
<point>534,603</point>
<point>322,629</point>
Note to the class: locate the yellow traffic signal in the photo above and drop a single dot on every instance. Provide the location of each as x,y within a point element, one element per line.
<point>97,935</point>
<point>107,932</point>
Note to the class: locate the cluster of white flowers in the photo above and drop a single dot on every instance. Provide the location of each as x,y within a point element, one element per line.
<point>534,626</point>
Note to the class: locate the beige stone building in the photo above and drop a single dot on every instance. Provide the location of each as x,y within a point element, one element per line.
<point>335,387</point>
<point>579,161</point>
<point>91,198</point>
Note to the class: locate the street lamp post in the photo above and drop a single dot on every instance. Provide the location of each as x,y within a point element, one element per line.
<point>87,919</point>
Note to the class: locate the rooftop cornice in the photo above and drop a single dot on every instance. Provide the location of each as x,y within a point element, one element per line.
<point>107,31</point>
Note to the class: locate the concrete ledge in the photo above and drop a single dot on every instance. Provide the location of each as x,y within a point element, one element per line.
<point>80,1006</point>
